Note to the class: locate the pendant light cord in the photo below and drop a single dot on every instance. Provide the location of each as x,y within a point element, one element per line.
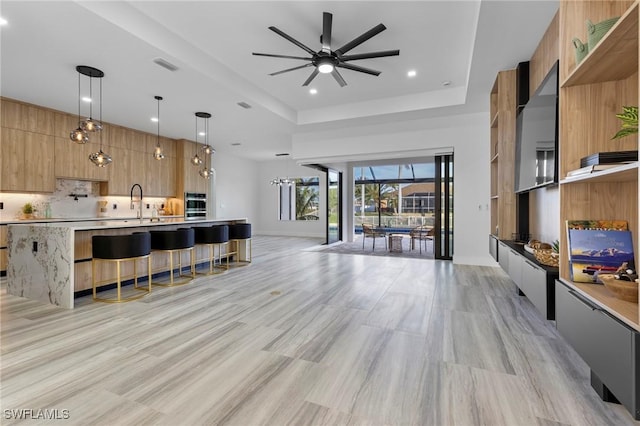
<point>100,109</point>
<point>79,98</point>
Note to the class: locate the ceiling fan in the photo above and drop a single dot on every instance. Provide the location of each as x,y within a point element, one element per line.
<point>326,60</point>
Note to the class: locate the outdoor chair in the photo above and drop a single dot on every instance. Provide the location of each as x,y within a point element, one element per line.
<point>420,234</point>
<point>369,231</point>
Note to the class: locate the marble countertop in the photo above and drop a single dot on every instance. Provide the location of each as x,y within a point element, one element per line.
<point>77,219</point>
<point>85,225</point>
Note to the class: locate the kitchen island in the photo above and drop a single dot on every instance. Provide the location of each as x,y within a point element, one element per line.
<point>51,261</point>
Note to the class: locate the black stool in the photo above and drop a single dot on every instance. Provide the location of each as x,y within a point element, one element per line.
<point>171,242</point>
<point>121,248</point>
<point>241,232</point>
<point>213,236</point>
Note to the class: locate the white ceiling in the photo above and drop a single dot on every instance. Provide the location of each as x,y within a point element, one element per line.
<point>463,42</point>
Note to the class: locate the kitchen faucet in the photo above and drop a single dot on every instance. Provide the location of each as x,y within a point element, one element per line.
<point>140,211</point>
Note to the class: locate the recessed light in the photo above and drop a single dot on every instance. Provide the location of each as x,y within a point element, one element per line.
<point>86,99</point>
<point>3,21</point>
<point>411,73</point>
<point>201,133</point>
<point>154,119</point>
<point>313,91</point>
<point>446,83</point>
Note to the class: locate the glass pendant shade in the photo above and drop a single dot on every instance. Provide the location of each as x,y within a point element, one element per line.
<point>79,136</point>
<point>157,152</point>
<point>208,149</point>
<point>195,160</point>
<point>207,173</point>
<point>90,125</point>
<point>100,158</point>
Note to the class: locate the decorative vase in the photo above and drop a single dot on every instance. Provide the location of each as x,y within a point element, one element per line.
<point>581,50</point>
<point>595,32</point>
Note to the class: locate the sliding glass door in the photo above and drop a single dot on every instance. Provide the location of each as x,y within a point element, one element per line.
<point>443,244</point>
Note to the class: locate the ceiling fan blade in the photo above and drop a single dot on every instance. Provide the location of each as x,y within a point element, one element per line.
<point>361,39</point>
<point>291,69</point>
<point>271,55</point>
<point>311,77</point>
<point>370,55</point>
<point>360,69</point>
<point>292,40</point>
<point>327,20</point>
<point>338,77</point>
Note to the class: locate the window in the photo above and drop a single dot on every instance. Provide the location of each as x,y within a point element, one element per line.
<point>299,200</point>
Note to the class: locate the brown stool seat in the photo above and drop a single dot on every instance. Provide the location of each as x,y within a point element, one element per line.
<point>121,248</point>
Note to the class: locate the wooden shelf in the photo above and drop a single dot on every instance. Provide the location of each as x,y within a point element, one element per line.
<point>626,312</point>
<point>494,120</point>
<point>494,197</point>
<point>614,58</point>
<point>624,173</point>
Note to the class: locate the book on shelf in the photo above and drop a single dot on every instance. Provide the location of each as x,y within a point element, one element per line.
<point>598,247</point>
<point>593,169</point>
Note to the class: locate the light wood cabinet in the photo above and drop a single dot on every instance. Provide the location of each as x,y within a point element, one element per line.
<point>36,150</point>
<point>27,161</point>
<point>189,179</point>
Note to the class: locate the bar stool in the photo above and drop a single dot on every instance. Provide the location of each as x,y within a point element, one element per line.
<point>213,236</point>
<point>240,232</point>
<point>178,241</point>
<point>121,248</point>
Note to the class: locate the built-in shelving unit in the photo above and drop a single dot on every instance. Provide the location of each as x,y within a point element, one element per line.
<point>502,154</point>
<point>591,94</point>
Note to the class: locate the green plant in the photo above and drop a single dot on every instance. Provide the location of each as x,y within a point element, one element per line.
<point>555,246</point>
<point>28,208</point>
<point>629,119</point>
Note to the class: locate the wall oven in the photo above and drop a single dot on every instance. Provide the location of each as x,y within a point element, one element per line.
<point>195,206</point>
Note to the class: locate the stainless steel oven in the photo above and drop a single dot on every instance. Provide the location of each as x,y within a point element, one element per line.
<point>195,206</point>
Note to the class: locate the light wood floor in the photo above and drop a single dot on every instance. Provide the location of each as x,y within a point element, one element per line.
<point>302,337</point>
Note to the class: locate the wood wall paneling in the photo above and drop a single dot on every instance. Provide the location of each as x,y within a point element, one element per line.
<point>545,55</point>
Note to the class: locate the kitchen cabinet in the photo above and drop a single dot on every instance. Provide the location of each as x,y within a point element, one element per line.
<point>27,161</point>
<point>3,250</point>
<point>515,267</point>
<point>534,286</point>
<point>189,179</point>
<point>609,347</point>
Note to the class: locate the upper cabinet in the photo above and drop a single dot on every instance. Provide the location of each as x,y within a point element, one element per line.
<point>36,150</point>
<point>591,94</point>
<point>27,149</point>
<point>188,177</point>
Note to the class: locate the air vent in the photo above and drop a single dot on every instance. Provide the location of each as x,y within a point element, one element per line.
<point>244,105</point>
<point>282,154</point>
<point>165,64</point>
<point>235,144</point>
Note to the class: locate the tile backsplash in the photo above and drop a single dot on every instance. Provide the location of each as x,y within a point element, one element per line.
<point>84,203</point>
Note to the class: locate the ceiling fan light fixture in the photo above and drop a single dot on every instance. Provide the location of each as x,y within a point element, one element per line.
<point>325,66</point>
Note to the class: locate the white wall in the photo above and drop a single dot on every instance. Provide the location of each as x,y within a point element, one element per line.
<point>236,194</point>
<point>267,222</point>
<point>466,135</point>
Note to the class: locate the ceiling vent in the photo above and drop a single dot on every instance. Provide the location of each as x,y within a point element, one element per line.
<point>244,105</point>
<point>165,64</point>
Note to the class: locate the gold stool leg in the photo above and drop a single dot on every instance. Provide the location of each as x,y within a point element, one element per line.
<point>93,277</point>
<point>118,278</point>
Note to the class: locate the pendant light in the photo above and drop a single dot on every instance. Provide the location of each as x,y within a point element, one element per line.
<point>196,160</point>
<point>100,158</point>
<point>91,125</point>
<point>157,152</point>
<point>207,171</point>
<point>286,180</point>
<point>79,136</point>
